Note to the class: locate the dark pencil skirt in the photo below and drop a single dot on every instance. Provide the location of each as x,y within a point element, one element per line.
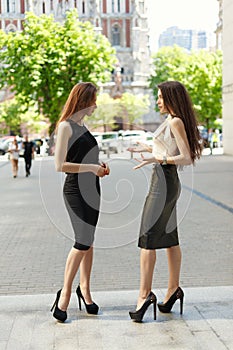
<point>159,222</point>
<point>82,199</point>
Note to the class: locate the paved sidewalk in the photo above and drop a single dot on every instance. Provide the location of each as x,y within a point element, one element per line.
<point>207,323</point>
<point>33,252</point>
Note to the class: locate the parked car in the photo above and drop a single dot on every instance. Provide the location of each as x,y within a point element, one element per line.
<point>149,139</point>
<point>5,143</point>
<point>130,137</point>
<point>98,136</point>
<point>110,142</point>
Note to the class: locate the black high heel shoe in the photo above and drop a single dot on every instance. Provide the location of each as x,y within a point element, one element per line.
<point>58,313</point>
<point>137,316</point>
<point>90,308</point>
<point>166,308</point>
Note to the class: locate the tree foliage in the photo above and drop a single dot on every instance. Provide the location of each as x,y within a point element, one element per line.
<point>44,61</point>
<point>13,118</point>
<point>133,107</point>
<point>200,72</point>
<point>107,109</point>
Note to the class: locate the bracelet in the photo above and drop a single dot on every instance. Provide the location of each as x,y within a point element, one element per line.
<point>164,162</point>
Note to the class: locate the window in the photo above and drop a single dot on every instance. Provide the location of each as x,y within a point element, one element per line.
<point>8,6</point>
<point>141,7</point>
<point>116,35</point>
<point>51,5</point>
<point>43,7</point>
<point>13,6</point>
<point>113,6</point>
<point>83,7</point>
<point>119,5</point>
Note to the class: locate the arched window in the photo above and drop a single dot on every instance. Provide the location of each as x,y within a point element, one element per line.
<point>11,28</point>
<point>116,35</point>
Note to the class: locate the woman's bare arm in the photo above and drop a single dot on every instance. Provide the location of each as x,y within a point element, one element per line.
<point>63,135</point>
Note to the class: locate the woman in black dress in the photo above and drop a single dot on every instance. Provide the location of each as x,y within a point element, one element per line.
<point>77,155</point>
<point>176,143</point>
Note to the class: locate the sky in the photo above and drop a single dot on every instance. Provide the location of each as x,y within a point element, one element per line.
<point>185,14</point>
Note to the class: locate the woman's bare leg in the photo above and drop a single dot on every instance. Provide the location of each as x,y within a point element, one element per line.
<point>14,163</point>
<point>174,265</point>
<point>147,264</point>
<point>85,274</point>
<point>72,264</point>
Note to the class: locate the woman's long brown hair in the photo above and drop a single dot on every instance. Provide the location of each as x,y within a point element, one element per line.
<point>178,103</point>
<point>81,97</point>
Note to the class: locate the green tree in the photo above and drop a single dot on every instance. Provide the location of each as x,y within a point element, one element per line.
<point>13,117</point>
<point>44,61</point>
<point>108,108</point>
<point>200,72</point>
<point>204,83</point>
<point>133,107</point>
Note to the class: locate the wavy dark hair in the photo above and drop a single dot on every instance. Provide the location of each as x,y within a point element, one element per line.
<point>178,103</point>
<point>81,97</point>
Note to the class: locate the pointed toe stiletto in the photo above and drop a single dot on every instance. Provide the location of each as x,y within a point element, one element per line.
<point>137,316</point>
<point>59,314</point>
<point>90,308</point>
<point>166,307</point>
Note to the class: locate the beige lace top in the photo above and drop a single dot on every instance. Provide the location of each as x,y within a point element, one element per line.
<point>164,144</point>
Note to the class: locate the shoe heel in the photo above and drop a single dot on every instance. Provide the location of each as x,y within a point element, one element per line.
<point>155,311</point>
<point>53,305</point>
<point>79,302</point>
<point>56,300</point>
<point>181,305</point>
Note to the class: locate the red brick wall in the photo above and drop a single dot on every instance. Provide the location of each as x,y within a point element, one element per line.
<point>127,32</point>
<point>22,6</point>
<point>105,28</point>
<point>104,6</point>
<point>127,6</point>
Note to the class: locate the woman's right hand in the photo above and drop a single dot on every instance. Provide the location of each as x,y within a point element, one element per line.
<point>141,147</point>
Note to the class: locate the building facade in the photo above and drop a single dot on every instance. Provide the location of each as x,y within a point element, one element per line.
<point>226,10</point>
<point>218,30</point>
<point>186,38</point>
<point>123,22</point>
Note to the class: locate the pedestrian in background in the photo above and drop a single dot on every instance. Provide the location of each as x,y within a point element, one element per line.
<point>14,157</point>
<point>77,154</point>
<point>28,147</point>
<point>176,143</point>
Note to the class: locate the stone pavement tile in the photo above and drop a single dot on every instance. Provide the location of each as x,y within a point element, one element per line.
<point>206,323</point>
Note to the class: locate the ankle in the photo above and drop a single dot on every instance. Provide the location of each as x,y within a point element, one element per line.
<point>144,294</point>
<point>173,288</point>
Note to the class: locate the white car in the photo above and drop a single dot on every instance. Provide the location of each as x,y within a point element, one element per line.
<point>110,142</point>
<point>130,137</point>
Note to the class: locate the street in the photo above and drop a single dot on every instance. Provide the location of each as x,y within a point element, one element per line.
<point>36,236</point>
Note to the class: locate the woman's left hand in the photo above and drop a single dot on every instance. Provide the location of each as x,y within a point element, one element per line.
<point>106,168</point>
<point>144,161</point>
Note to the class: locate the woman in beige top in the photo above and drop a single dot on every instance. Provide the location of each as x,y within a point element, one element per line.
<point>14,157</point>
<point>176,143</point>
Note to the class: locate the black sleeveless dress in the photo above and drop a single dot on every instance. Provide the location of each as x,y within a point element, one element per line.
<point>81,191</point>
